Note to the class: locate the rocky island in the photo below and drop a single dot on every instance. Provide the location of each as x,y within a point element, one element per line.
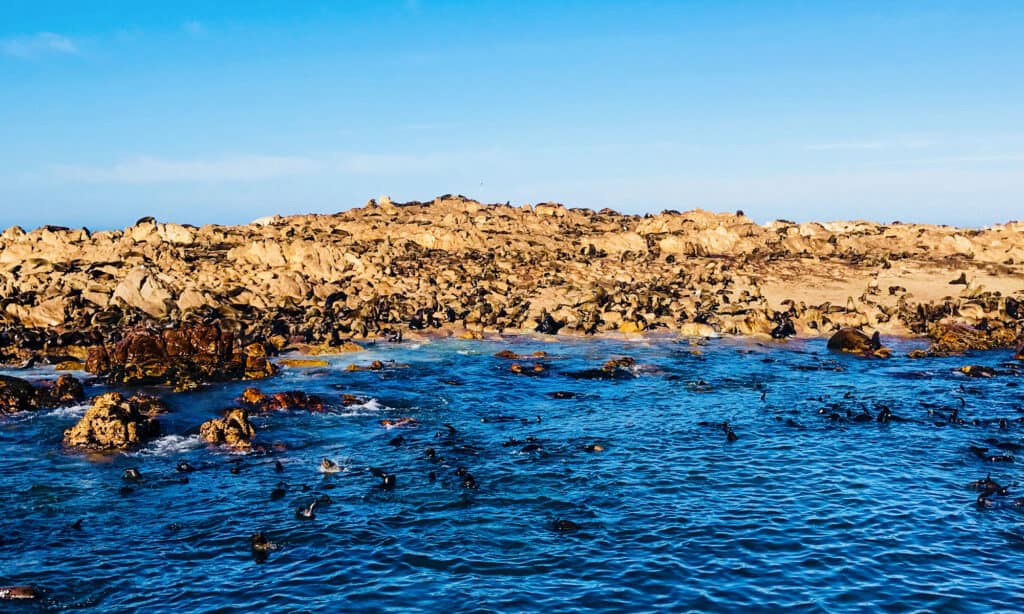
<point>214,301</point>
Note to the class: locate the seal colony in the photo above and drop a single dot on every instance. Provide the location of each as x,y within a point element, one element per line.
<point>458,267</point>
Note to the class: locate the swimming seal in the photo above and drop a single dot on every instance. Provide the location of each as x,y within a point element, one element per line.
<point>564,526</point>
<point>387,480</point>
<point>308,512</point>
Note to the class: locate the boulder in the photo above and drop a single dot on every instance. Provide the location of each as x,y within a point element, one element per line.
<point>144,292</point>
<point>16,395</point>
<point>234,429</point>
<point>853,341</point>
<point>19,395</point>
<point>116,423</point>
<point>65,391</point>
<point>257,400</point>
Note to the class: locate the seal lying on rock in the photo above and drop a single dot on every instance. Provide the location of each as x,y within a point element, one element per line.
<point>853,341</point>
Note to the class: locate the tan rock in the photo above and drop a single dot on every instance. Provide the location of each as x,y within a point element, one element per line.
<point>234,430</point>
<point>143,291</point>
<point>114,423</point>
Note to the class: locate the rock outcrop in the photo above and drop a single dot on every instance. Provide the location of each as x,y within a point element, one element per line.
<point>951,338</point>
<point>233,430</point>
<point>115,423</point>
<point>183,356</point>
<point>19,395</point>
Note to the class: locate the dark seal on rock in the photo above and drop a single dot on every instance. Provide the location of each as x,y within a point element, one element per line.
<point>547,325</point>
<point>853,341</point>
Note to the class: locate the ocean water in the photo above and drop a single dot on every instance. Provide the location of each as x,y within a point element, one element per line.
<point>804,510</point>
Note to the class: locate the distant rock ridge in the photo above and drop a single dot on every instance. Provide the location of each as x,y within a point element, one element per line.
<point>457,265</point>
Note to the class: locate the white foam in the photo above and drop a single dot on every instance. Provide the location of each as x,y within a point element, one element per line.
<point>75,411</point>
<point>373,406</point>
<point>169,445</point>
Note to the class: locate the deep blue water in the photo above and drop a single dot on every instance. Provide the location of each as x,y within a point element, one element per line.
<point>802,511</point>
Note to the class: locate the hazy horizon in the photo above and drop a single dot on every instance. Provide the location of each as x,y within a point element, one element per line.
<point>225,113</point>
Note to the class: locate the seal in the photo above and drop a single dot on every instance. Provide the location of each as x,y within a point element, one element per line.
<point>261,546</point>
<point>562,525</point>
<point>387,480</point>
<point>18,592</point>
<point>329,466</point>
<point>131,474</point>
<point>308,512</point>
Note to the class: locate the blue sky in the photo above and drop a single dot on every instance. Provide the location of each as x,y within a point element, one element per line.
<point>224,112</point>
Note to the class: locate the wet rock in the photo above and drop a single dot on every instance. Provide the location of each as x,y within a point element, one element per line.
<point>510,355</point>
<point>348,400</point>
<point>16,395</point>
<point>233,430</point>
<point>950,338</point>
<point>65,391</point>
<point>113,422</point>
<point>252,396</point>
<point>853,341</point>
<point>304,362</point>
<point>19,395</point>
<point>614,369</point>
<point>183,357</point>
<point>291,400</point>
<point>1019,354</point>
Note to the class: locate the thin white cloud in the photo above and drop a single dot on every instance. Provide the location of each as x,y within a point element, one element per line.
<point>375,164</point>
<point>43,43</point>
<point>146,169</point>
<point>246,168</point>
<point>1000,157</point>
<point>902,143</point>
<point>194,28</point>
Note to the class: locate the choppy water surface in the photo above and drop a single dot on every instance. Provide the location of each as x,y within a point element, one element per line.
<point>803,510</point>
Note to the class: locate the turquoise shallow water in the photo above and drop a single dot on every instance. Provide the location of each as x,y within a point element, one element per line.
<point>802,511</point>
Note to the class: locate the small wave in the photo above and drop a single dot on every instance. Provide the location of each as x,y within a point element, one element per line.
<point>169,445</point>
<point>373,406</point>
<point>74,411</point>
